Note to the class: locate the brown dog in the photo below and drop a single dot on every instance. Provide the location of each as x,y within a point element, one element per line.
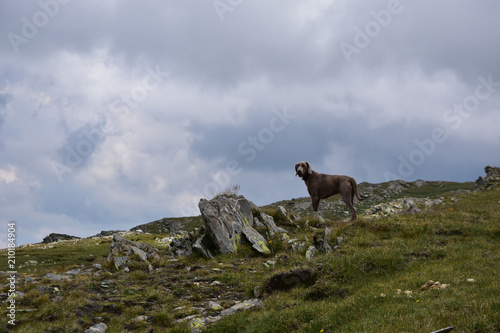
<point>322,186</point>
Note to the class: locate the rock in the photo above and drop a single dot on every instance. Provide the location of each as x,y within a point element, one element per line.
<point>270,263</point>
<point>181,246</point>
<point>288,280</point>
<point>52,238</point>
<point>284,213</point>
<point>434,285</point>
<point>119,261</point>
<point>420,183</point>
<point>492,178</point>
<point>311,252</point>
<point>121,249</point>
<point>268,222</point>
<point>106,233</point>
<point>99,328</point>
<point>204,246</point>
<point>97,266</point>
<point>55,277</point>
<point>226,218</point>
<point>321,243</point>
<point>245,305</point>
<point>197,324</point>
<point>139,319</point>
<point>257,240</point>
<point>215,306</point>
<point>74,271</point>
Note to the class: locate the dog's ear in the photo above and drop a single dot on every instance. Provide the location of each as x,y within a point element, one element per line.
<point>296,167</point>
<point>309,169</point>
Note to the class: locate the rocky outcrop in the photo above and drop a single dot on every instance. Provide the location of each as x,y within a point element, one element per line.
<point>492,178</point>
<point>122,251</point>
<point>226,218</point>
<point>57,237</point>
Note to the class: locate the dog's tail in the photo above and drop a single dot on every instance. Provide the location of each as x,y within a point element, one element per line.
<point>355,189</point>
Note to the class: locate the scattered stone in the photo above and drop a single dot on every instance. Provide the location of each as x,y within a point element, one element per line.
<point>285,214</point>
<point>311,252</point>
<point>52,238</point>
<point>215,306</point>
<point>288,280</point>
<point>322,244</point>
<point>181,246</point>
<point>270,263</point>
<point>245,305</point>
<point>30,279</point>
<point>139,319</point>
<point>55,277</point>
<point>97,266</point>
<point>99,328</point>
<point>471,280</point>
<point>215,283</point>
<point>74,271</point>
<point>121,249</point>
<point>434,285</point>
<point>268,222</point>
<point>197,324</point>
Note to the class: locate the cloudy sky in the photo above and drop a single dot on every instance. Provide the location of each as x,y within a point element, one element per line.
<point>117,113</point>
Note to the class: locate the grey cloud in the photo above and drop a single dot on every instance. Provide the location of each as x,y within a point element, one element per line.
<point>359,118</point>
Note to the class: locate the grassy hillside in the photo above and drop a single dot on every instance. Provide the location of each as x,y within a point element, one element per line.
<point>371,283</point>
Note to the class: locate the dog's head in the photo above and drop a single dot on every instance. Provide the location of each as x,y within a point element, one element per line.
<point>303,169</point>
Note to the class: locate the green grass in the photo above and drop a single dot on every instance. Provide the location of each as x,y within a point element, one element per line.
<point>356,286</point>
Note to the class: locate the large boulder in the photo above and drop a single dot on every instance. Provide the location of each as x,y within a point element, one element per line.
<point>226,218</point>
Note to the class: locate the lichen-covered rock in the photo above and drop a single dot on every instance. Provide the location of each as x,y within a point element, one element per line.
<point>257,240</point>
<point>311,252</point>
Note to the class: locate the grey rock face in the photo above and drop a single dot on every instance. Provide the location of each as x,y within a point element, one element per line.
<point>268,221</point>
<point>226,218</point>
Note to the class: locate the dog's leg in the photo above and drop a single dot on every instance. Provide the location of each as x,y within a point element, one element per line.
<point>315,205</point>
<point>347,196</point>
